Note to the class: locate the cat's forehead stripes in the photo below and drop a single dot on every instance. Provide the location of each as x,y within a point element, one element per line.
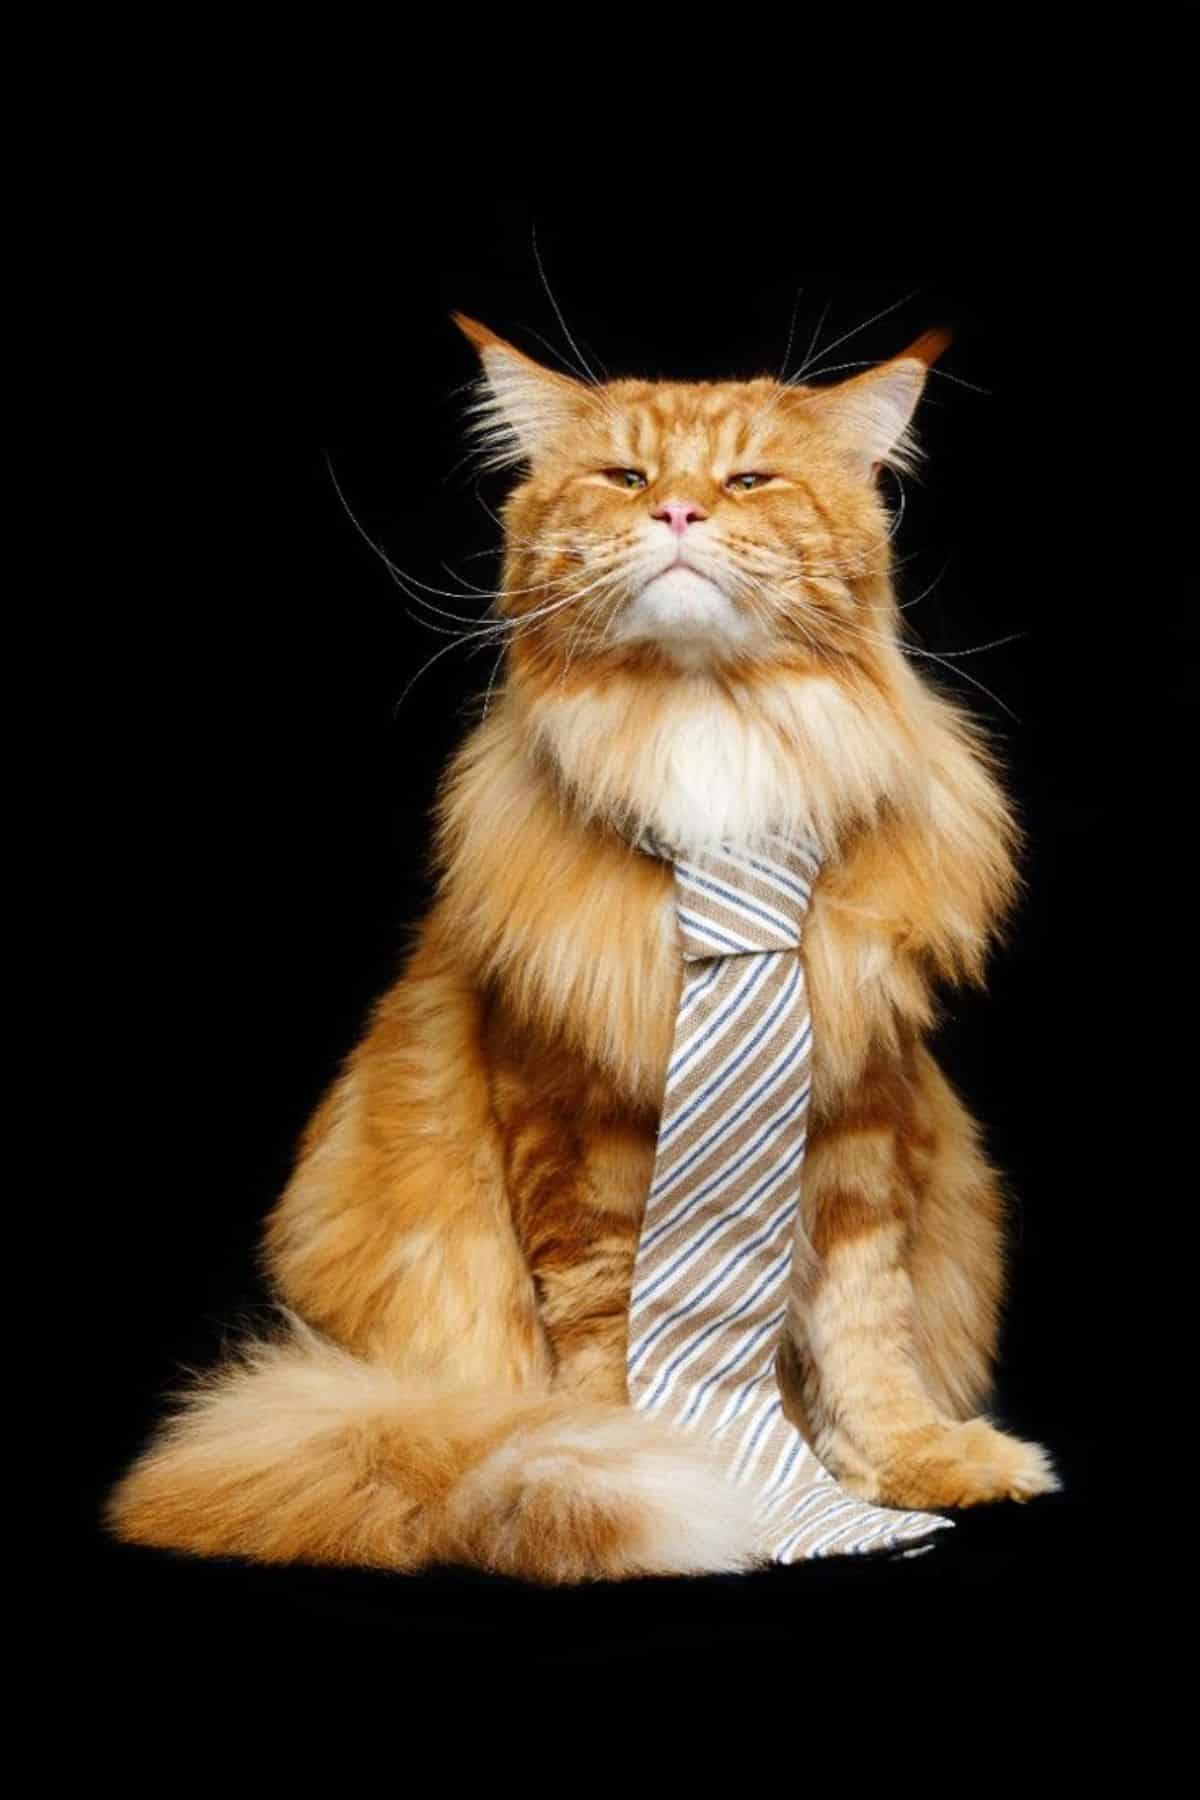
<point>689,429</point>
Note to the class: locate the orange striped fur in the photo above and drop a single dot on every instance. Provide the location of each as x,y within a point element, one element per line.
<point>455,1245</point>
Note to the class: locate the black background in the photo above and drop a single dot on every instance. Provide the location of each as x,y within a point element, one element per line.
<point>251,808</point>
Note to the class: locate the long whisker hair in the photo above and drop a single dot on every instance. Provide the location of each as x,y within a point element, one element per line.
<point>588,373</point>
<point>813,365</point>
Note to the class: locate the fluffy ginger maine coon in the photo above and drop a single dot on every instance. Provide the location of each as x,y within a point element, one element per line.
<point>702,640</point>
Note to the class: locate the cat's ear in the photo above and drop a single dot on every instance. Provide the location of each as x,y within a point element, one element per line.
<point>872,414</point>
<point>521,405</point>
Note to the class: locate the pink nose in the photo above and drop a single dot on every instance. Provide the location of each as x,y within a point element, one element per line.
<point>679,514</point>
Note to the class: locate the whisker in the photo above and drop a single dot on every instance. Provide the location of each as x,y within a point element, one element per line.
<point>868,362</point>
<point>406,582</point>
<point>909,604</point>
<point>579,631</point>
<point>1012,637</point>
<point>905,649</point>
<point>589,373</point>
<point>512,628</point>
<point>966,676</point>
<point>557,354</point>
<point>812,343</point>
<point>787,355</point>
<point>894,527</point>
<point>487,698</point>
<point>846,336</point>
<point>411,684</point>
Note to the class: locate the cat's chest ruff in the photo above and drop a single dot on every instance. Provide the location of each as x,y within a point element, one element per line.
<point>697,765</point>
<point>714,778</point>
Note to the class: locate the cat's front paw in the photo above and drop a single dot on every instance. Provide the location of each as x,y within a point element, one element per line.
<point>963,1465</point>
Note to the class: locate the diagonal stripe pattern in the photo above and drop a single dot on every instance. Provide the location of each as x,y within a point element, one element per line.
<point>710,1279</point>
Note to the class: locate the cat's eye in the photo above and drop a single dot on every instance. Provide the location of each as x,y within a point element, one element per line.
<point>743,483</point>
<point>626,478</point>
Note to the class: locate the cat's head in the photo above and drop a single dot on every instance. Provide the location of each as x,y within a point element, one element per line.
<point>722,526</point>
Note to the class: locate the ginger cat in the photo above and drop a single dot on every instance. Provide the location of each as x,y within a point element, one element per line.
<point>702,639</point>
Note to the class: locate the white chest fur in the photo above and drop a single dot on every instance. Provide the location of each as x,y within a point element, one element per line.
<point>701,762</point>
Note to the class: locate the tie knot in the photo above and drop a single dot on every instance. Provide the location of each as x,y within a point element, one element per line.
<point>734,901</point>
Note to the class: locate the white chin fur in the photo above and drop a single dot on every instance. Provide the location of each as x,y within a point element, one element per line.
<point>687,616</point>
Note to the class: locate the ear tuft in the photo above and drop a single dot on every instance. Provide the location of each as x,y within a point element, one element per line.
<point>520,405</point>
<point>474,332</point>
<point>930,345</point>
<point>872,413</point>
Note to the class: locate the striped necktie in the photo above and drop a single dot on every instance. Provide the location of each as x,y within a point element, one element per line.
<point>710,1282</point>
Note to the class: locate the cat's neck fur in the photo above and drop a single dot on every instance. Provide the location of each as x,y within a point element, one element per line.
<point>697,761</point>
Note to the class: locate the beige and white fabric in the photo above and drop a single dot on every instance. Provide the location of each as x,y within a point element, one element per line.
<point>710,1279</point>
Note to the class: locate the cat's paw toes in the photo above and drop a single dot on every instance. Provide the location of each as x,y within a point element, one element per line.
<point>965,1465</point>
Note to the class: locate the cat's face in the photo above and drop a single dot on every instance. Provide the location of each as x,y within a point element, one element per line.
<point>693,525</point>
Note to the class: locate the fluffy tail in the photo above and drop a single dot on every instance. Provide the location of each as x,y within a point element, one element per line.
<point>296,1451</point>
